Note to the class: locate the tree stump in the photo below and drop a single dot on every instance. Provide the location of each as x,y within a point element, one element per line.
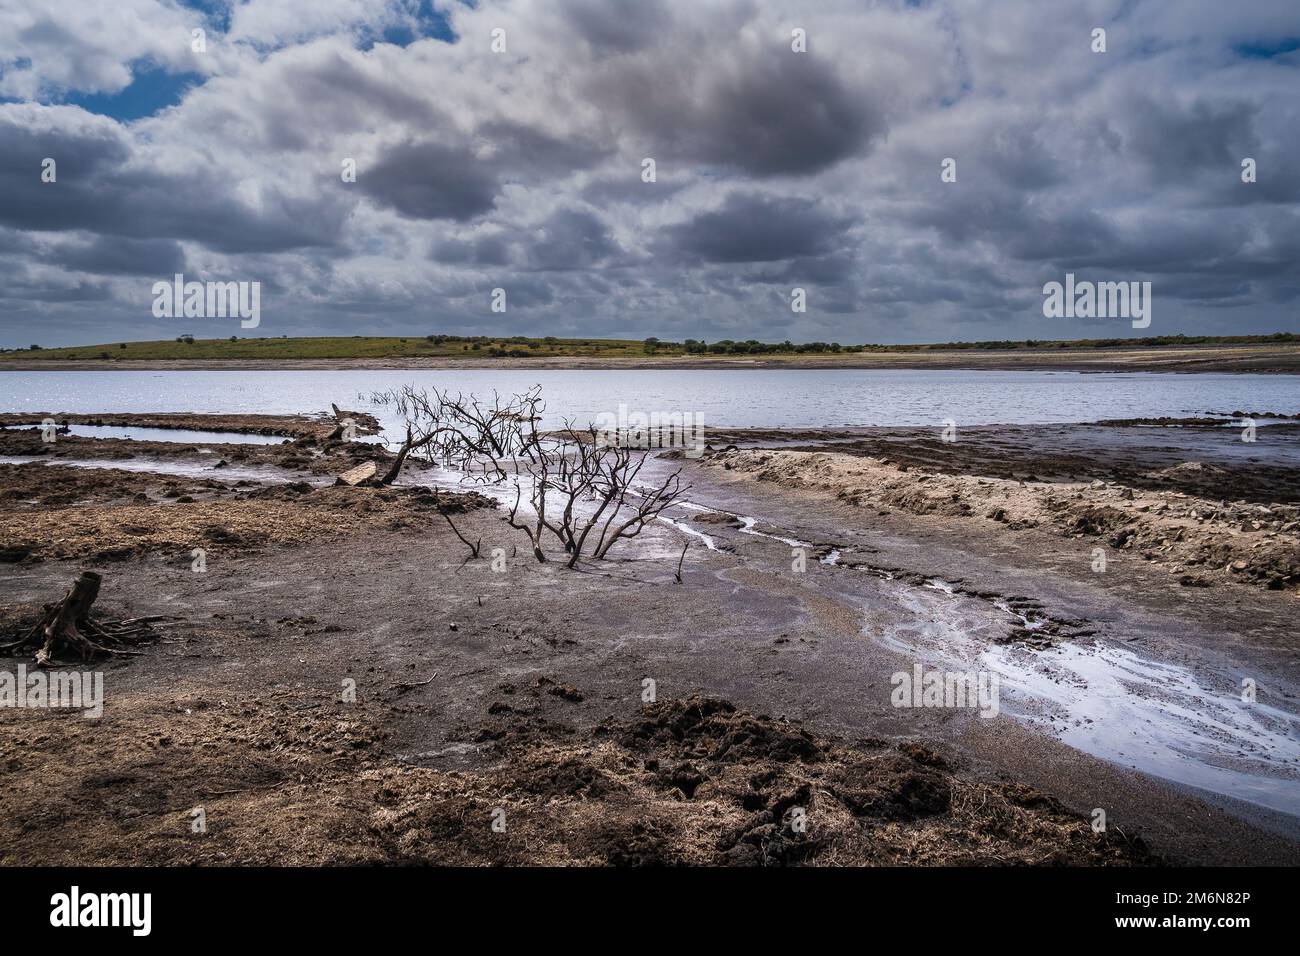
<point>66,628</point>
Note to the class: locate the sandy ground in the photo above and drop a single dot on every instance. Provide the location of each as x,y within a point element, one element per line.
<point>1228,515</point>
<point>1284,358</point>
<point>519,695</point>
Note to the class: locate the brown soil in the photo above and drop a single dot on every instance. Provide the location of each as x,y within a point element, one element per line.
<point>309,455</point>
<point>692,781</point>
<point>519,691</point>
<point>51,512</point>
<point>291,778</point>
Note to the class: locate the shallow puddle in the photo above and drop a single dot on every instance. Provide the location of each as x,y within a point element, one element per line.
<point>181,436</point>
<point>1110,702</point>
<point>182,469</point>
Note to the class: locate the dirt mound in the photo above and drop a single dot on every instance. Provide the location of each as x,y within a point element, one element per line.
<point>681,783</point>
<point>714,730</point>
<point>1239,540</point>
<point>698,781</point>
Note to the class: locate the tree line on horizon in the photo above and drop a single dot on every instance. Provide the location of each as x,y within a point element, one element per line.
<point>522,346</point>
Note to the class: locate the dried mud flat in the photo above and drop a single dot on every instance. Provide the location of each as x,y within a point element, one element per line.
<point>478,693</point>
<point>108,515</point>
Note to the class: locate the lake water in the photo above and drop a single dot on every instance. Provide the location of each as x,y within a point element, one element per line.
<point>185,436</point>
<point>721,397</point>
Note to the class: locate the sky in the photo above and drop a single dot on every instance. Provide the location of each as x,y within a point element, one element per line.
<point>503,145</point>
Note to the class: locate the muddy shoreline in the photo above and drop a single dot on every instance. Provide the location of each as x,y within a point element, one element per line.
<point>524,690</point>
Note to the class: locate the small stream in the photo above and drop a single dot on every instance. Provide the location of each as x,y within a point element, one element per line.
<point>1096,696</point>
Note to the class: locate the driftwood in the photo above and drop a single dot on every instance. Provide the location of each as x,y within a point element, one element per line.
<point>355,476</point>
<point>66,629</point>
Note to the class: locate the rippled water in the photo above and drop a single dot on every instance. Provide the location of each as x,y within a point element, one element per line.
<point>722,397</point>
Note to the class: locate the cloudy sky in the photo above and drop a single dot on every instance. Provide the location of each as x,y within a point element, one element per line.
<point>478,169</point>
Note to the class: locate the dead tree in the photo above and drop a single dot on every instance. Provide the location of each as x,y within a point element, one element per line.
<point>531,528</point>
<point>481,439</point>
<point>66,628</point>
<point>633,507</point>
<point>579,489</point>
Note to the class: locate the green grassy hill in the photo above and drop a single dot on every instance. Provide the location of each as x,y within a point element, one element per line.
<point>379,347</point>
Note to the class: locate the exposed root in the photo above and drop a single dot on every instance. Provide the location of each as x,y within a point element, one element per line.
<point>66,630</point>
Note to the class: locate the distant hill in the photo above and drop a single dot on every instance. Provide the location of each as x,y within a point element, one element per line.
<point>363,347</point>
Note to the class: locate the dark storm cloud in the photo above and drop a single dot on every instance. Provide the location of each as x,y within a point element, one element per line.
<point>528,154</point>
<point>99,189</point>
<point>1173,139</point>
<point>572,240</point>
<point>493,250</point>
<point>828,270</point>
<point>83,153</point>
<point>751,227</point>
<point>431,181</point>
<point>771,112</point>
<point>82,290</point>
<point>523,292</point>
<point>355,97</point>
<point>1036,234</point>
<point>615,27</point>
<point>118,256</point>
